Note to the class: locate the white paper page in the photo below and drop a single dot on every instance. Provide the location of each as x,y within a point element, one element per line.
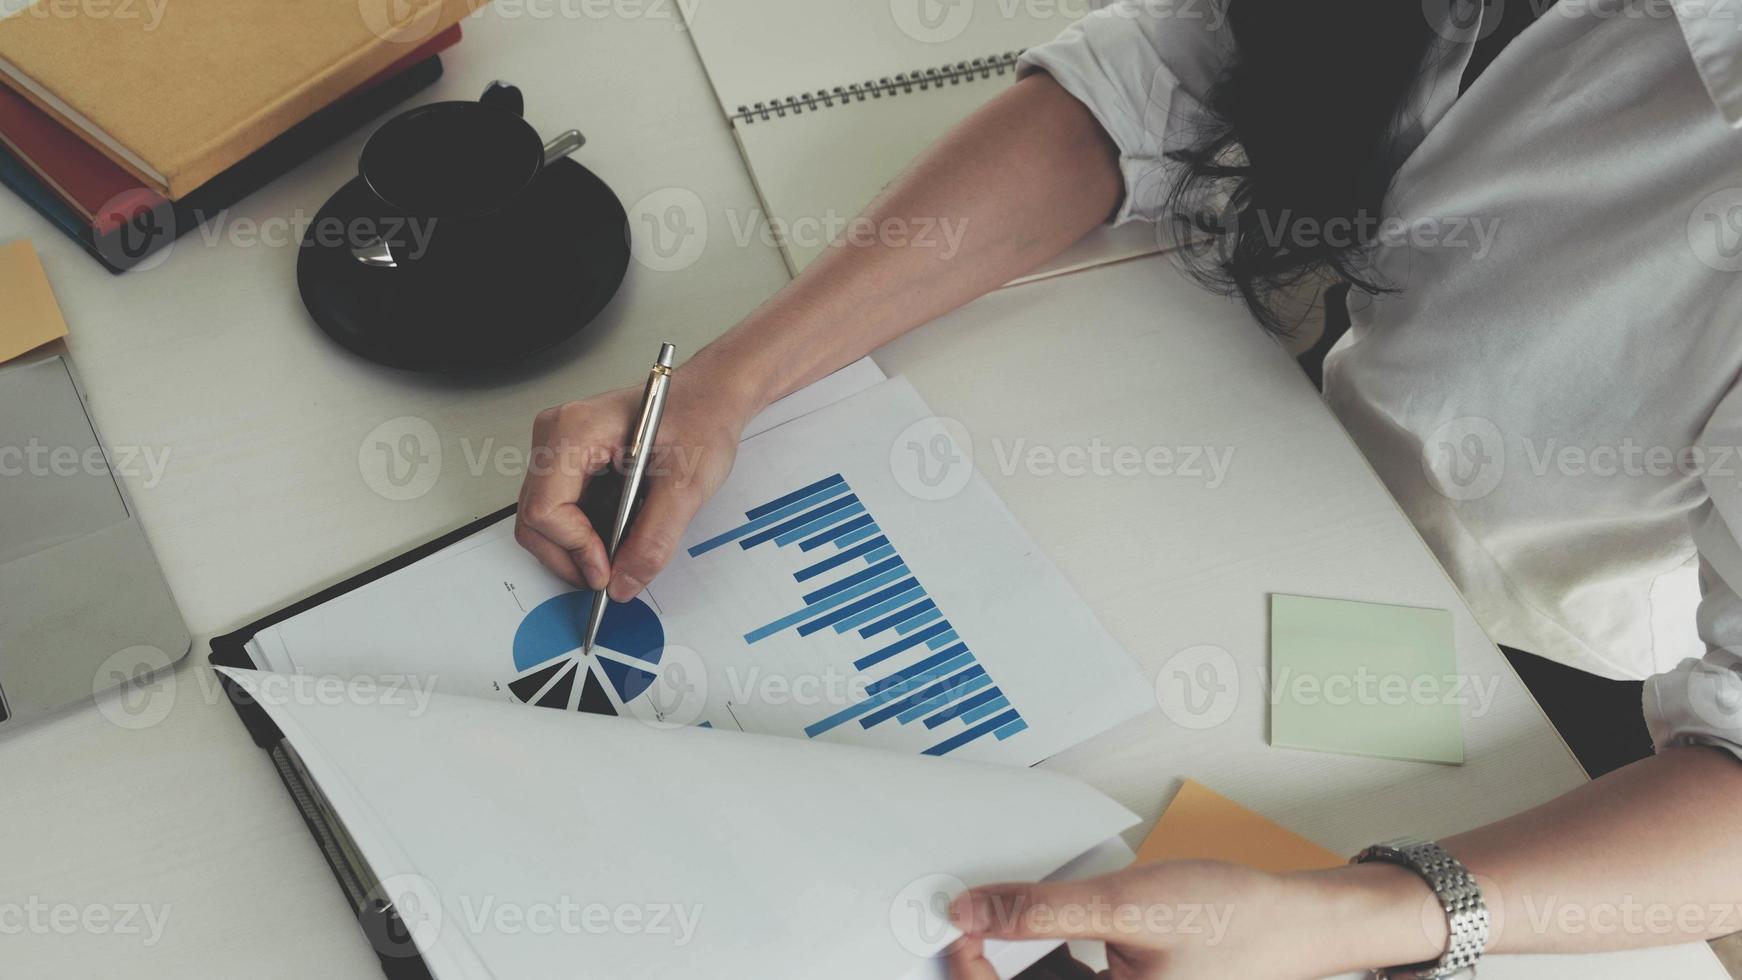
<point>727,855</point>
<point>761,50</point>
<point>816,171</point>
<point>860,612</point>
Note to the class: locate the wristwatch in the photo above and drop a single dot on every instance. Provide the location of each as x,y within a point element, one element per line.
<point>1458,895</point>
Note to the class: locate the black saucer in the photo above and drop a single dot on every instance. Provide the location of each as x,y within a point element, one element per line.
<point>560,266</point>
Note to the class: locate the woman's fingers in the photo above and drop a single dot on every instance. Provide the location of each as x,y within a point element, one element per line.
<point>967,960</point>
<point>1044,910</point>
<point>569,444</point>
<point>667,508</point>
<point>559,562</point>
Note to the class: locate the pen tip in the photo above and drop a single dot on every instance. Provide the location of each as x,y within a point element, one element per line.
<point>667,353</point>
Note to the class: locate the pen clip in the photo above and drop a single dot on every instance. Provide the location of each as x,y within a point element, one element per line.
<point>638,442</point>
<point>650,403</point>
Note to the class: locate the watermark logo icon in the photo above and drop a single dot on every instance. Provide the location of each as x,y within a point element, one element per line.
<point>1715,230</point>
<point>1198,688</point>
<point>407,916</point>
<point>141,230</point>
<point>932,21</point>
<point>668,229</point>
<point>401,459</point>
<point>932,459</point>
<point>135,688</point>
<point>1464,458</point>
<point>1716,697</point>
<point>919,915</point>
<point>679,692</point>
<point>401,21</point>
<point>1465,21</point>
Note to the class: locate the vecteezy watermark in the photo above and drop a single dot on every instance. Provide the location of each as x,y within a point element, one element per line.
<point>1686,921</point>
<point>134,687</point>
<point>36,916</point>
<point>1713,688</point>
<point>1715,230</point>
<point>424,913</point>
<point>933,458</point>
<point>668,229</point>
<point>932,21</point>
<point>1375,688</point>
<point>148,13</point>
<point>401,21</point>
<point>410,691</point>
<point>680,13</point>
<point>1464,458</point>
<point>1198,688</point>
<point>942,21</point>
<point>1468,21</point>
<point>1201,687</point>
<point>919,914</point>
<point>146,232</point>
<point>944,235</point>
<point>678,695</point>
<point>1285,229</point>
<point>1464,21</point>
<point>676,464</point>
<point>401,459</point>
<point>566,916</point>
<point>826,687</point>
<point>1468,457</point>
<point>1101,916</point>
<point>142,466</point>
<point>1098,458</point>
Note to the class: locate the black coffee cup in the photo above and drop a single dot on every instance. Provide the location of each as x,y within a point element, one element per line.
<point>448,179</point>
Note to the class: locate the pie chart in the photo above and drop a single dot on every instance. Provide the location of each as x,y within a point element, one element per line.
<point>550,671</point>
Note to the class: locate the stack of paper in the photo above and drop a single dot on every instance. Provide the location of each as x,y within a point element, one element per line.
<point>532,811</point>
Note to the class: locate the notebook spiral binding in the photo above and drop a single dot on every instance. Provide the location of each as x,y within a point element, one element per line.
<point>888,87</point>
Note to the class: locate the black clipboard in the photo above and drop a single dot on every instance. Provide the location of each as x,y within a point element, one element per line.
<point>376,914</point>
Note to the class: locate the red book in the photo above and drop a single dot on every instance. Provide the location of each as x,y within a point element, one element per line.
<point>94,186</point>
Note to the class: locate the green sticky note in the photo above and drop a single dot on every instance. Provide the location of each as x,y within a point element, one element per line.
<point>1361,678</point>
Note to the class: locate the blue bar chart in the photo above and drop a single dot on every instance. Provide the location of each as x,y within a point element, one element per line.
<point>850,579</point>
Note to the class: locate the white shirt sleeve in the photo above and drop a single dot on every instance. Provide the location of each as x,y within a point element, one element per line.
<point>1143,68</point>
<point>1700,701</point>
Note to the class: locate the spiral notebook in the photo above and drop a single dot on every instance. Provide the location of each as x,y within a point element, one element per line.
<point>831,99</point>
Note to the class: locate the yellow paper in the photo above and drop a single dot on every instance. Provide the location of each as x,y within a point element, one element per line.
<point>1201,825</point>
<point>29,315</point>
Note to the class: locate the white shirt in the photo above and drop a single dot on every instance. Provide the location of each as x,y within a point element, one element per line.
<point>1551,392</point>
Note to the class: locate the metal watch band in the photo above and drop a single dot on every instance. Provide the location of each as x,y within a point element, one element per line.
<point>1458,895</point>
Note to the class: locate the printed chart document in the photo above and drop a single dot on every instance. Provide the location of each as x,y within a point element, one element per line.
<point>840,587</point>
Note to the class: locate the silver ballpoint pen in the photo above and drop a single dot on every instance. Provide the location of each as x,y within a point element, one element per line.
<point>635,470</point>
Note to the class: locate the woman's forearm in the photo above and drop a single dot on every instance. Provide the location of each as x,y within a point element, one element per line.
<point>1645,856</point>
<point>1014,185</point>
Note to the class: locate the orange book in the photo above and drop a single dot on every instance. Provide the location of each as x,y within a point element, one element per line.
<point>1202,825</point>
<point>178,92</point>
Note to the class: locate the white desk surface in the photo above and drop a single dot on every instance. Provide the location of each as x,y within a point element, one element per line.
<point>211,359</point>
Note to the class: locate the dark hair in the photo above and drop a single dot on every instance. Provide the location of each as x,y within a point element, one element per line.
<point>1302,133</point>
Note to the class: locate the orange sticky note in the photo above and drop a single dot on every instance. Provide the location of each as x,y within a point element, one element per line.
<point>1201,825</point>
<point>29,315</point>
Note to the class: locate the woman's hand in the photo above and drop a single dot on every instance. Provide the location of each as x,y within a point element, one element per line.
<point>574,443</point>
<point>1207,920</point>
